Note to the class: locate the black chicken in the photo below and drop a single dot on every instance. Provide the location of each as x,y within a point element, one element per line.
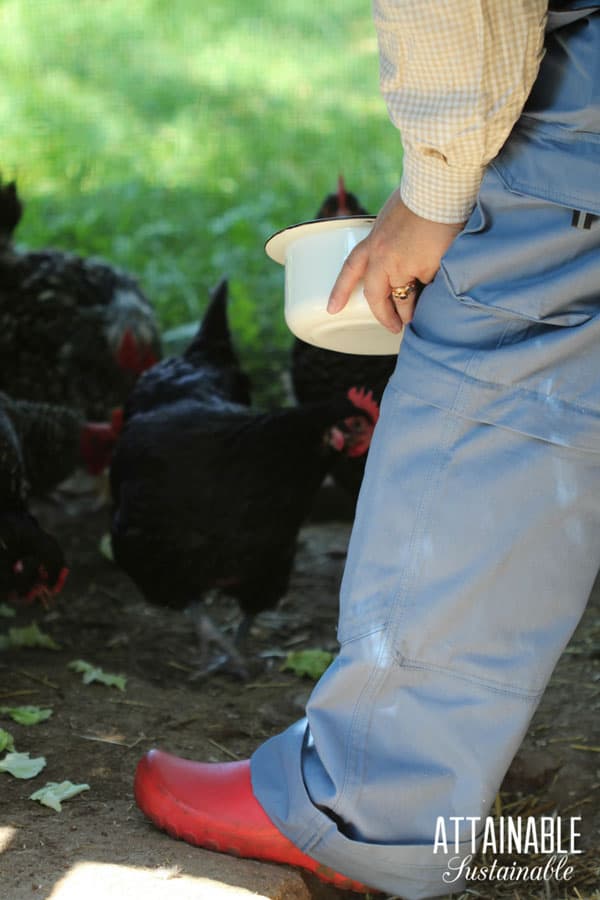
<point>209,369</point>
<point>32,564</point>
<point>209,492</point>
<point>54,441</point>
<point>76,332</point>
<point>318,374</point>
<point>40,445</point>
<point>342,203</point>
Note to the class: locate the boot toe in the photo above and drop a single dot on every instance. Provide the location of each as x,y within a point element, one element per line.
<point>208,804</point>
<point>212,805</point>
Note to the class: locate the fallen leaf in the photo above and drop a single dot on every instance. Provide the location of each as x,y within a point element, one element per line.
<point>29,636</point>
<point>26,715</point>
<point>308,662</point>
<point>6,741</point>
<point>54,793</point>
<point>95,673</point>
<point>21,766</point>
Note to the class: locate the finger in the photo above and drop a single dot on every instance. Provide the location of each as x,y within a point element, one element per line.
<point>352,271</point>
<point>405,307</point>
<point>377,293</point>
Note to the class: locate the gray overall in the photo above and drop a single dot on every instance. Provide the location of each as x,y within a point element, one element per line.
<point>477,535</point>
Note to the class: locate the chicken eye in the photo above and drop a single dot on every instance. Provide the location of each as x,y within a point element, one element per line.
<point>357,425</point>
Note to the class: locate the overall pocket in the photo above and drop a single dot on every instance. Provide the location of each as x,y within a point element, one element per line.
<point>520,256</point>
<point>532,263</point>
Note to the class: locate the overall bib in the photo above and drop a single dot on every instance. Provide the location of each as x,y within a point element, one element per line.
<point>477,534</point>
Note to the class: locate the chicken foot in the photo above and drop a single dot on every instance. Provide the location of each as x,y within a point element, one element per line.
<point>230,660</point>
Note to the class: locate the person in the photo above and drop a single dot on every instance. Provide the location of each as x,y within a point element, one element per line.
<point>475,543</point>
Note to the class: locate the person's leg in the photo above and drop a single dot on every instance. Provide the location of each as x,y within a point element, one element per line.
<point>472,559</point>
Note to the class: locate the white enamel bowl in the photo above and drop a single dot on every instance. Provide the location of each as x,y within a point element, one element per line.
<point>313,254</point>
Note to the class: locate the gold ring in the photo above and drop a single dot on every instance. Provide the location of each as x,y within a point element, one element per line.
<point>403,291</point>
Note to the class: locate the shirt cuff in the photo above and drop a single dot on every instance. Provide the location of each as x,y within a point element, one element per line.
<point>436,191</point>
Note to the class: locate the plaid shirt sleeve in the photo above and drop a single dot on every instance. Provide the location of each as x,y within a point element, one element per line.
<point>455,75</point>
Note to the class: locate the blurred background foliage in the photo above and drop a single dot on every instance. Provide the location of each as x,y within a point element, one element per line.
<point>173,137</point>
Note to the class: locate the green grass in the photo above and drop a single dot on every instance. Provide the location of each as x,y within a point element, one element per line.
<point>172,137</point>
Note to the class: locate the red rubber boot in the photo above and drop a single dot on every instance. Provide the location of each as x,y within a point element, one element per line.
<point>212,805</point>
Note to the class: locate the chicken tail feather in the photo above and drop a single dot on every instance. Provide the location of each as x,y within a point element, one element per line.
<point>11,210</point>
<point>213,336</point>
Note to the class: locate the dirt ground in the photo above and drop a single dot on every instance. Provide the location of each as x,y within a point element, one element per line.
<point>96,733</point>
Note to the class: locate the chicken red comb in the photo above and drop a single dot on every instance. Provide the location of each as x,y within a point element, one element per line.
<point>149,359</point>
<point>128,356</point>
<point>116,420</point>
<point>341,193</point>
<point>132,357</point>
<point>60,581</point>
<point>365,401</point>
<point>96,444</point>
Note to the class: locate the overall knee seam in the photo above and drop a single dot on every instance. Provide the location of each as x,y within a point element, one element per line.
<point>365,704</point>
<point>489,684</point>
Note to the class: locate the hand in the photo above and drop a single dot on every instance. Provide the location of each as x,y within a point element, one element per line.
<point>401,247</point>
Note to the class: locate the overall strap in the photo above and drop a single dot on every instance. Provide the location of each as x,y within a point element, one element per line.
<point>561,13</point>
